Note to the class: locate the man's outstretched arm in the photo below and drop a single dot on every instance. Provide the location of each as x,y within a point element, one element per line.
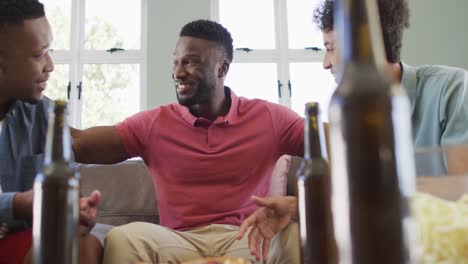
<point>100,145</point>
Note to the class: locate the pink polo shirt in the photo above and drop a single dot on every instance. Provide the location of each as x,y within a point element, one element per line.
<point>205,172</point>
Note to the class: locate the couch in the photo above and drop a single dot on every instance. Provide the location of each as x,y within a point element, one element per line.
<point>128,192</point>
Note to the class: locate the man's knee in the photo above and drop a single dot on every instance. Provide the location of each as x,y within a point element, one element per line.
<point>285,246</point>
<point>118,246</point>
<point>131,229</point>
<point>90,250</point>
<point>116,234</point>
<point>119,235</point>
<point>146,243</point>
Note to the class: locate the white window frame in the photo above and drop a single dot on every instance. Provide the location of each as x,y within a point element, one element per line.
<point>282,55</point>
<point>76,57</point>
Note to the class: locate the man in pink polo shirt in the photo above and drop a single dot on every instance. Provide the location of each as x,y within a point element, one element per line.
<point>208,155</point>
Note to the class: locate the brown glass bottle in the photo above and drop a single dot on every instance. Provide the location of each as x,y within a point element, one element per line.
<point>369,125</point>
<point>314,195</point>
<point>56,196</point>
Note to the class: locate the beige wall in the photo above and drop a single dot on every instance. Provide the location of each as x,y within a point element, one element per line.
<point>165,19</point>
<point>438,33</point>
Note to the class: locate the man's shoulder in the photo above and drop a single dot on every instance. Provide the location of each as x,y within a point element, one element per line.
<point>244,102</point>
<point>155,113</point>
<point>39,108</point>
<point>265,109</point>
<point>438,71</point>
<point>247,104</point>
<point>170,109</point>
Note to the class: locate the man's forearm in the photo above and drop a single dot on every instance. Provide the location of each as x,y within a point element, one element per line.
<point>101,145</point>
<point>23,205</point>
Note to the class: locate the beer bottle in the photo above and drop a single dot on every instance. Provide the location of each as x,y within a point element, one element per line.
<point>315,220</point>
<point>56,196</point>
<point>370,133</point>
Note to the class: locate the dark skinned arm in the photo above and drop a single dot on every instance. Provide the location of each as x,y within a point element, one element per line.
<point>22,205</point>
<point>99,145</point>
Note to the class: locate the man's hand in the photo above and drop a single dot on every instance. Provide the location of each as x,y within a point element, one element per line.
<point>23,203</point>
<point>88,212</point>
<point>272,216</point>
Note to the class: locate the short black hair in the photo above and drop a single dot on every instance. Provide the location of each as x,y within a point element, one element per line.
<point>14,12</point>
<point>394,18</point>
<point>212,31</point>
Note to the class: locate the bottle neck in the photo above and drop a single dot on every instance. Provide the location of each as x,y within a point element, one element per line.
<point>359,32</point>
<point>314,146</point>
<point>58,142</point>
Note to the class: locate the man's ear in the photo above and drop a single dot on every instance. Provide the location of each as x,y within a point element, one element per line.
<point>223,70</point>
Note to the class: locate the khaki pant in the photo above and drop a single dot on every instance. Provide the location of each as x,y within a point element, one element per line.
<point>148,243</point>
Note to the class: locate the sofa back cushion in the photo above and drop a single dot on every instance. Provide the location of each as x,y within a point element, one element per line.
<point>127,191</point>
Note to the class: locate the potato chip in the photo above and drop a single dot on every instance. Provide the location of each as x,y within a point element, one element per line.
<point>443,228</point>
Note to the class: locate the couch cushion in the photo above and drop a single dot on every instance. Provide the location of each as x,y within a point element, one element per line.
<point>294,166</point>
<point>127,191</point>
<point>284,176</point>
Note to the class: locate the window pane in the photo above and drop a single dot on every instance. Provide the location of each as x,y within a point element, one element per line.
<point>311,83</point>
<point>303,32</point>
<point>57,85</point>
<point>111,92</point>
<point>251,22</point>
<point>254,80</point>
<point>119,27</point>
<point>58,13</point>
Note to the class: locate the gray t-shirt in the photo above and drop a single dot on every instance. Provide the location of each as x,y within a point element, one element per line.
<point>439,100</point>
